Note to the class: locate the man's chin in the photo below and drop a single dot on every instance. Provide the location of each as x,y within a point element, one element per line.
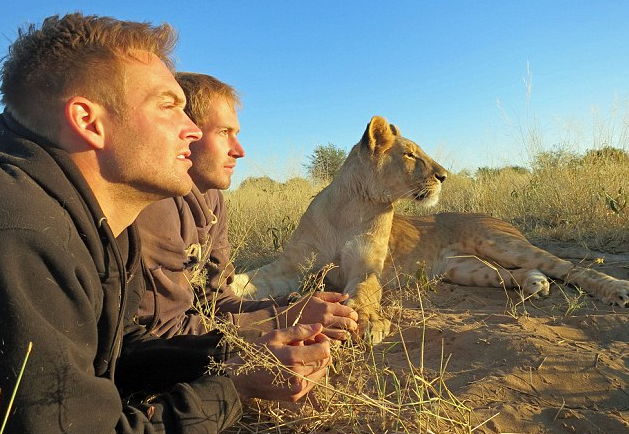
<point>225,185</point>
<point>213,185</point>
<point>184,191</point>
<point>179,189</point>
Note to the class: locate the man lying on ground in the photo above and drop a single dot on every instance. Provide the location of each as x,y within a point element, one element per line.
<point>185,244</point>
<point>94,130</point>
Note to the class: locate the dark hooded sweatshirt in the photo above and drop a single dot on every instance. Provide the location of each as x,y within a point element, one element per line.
<point>70,288</point>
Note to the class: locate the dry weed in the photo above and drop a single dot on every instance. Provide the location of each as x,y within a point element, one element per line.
<point>368,389</point>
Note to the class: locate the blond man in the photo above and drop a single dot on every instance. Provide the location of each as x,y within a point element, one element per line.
<point>185,237</point>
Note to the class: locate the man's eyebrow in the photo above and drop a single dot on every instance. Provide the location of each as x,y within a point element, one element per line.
<point>227,127</point>
<point>169,94</point>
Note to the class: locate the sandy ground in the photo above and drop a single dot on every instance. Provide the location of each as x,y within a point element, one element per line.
<point>533,367</point>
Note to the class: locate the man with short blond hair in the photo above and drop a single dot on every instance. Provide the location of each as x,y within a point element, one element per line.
<point>93,131</point>
<point>186,236</point>
<point>36,78</point>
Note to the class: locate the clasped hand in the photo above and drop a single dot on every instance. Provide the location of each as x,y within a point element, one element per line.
<point>292,361</point>
<point>326,308</point>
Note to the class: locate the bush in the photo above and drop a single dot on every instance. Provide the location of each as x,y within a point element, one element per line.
<point>263,214</point>
<point>325,162</point>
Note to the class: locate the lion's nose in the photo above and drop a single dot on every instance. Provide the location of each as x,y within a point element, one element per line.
<point>441,176</point>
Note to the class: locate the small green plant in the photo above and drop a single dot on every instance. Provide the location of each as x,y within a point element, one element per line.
<point>574,302</point>
<point>617,204</point>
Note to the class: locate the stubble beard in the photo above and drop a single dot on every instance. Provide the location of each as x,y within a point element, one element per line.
<point>143,180</point>
<point>213,180</point>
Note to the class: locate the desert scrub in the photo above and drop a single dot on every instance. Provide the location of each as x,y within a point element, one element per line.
<point>263,215</point>
<point>579,198</point>
<point>564,196</point>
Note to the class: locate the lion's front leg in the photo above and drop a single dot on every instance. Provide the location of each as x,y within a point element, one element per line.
<point>365,299</point>
<point>361,264</point>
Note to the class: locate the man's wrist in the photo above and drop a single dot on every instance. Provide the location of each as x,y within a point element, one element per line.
<point>231,371</point>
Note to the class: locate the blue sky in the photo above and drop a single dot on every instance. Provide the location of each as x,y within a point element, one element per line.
<point>451,75</point>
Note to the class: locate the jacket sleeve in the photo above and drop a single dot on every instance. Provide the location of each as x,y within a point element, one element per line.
<point>262,315</point>
<point>51,296</point>
<point>152,364</point>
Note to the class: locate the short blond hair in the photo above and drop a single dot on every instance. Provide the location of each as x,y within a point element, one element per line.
<point>202,91</point>
<point>74,55</point>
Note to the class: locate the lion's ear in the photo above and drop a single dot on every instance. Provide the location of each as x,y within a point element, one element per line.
<point>379,135</point>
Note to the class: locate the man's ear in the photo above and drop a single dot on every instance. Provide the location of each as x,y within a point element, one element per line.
<point>85,119</point>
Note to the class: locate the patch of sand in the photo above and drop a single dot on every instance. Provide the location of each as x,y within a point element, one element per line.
<point>536,367</point>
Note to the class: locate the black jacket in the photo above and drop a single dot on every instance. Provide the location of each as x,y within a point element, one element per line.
<point>71,289</point>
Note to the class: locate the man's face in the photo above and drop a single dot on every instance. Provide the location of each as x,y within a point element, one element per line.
<point>214,156</point>
<point>148,148</point>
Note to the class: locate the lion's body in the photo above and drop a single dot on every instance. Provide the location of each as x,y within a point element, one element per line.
<point>478,250</point>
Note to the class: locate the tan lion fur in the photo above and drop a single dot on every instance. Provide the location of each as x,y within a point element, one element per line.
<point>478,250</point>
<point>348,224</point>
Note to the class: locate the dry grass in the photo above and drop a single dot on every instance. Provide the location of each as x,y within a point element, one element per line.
<point>564,197</point>
<point>263,215</point>
<point>368,389</point>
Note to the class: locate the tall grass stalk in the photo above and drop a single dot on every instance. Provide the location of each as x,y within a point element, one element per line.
<point>17,385</point>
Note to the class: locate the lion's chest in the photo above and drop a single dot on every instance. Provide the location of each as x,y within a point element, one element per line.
<point>356,257</point>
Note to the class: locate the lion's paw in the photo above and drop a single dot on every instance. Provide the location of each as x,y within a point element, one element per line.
<point>616,293</point>
<point>373,327</point>
<point>536,283</point>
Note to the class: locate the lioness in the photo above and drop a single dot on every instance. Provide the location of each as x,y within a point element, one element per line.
<point>348,223</point>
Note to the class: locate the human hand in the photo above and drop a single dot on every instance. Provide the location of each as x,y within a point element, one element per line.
<point>324,308</point>
<point>292,360</point>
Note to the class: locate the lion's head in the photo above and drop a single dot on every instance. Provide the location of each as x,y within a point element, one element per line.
<point>388,167</point>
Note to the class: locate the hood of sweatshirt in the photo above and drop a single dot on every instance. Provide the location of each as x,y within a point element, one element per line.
<point>55,172</point>
<point>60,178</point>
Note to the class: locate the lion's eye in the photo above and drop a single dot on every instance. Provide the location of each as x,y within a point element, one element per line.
<point>410,155</point>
